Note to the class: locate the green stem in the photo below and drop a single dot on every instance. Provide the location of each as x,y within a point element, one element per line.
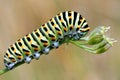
<point>3,71</point>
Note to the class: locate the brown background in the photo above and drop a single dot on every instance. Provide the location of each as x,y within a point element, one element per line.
<point>19,17</point>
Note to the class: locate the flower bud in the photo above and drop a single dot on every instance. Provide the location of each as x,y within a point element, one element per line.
<point>96,36</point>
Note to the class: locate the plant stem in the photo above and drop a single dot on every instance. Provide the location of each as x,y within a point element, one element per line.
<point>3,71</point>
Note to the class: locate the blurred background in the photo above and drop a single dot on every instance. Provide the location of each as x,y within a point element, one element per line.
<point>19,17</point>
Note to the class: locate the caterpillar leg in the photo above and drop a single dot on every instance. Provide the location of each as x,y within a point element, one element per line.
<point>55,44</point>
<point>46,50</point>
<point>36,55</point>
<point>9,65</point>
<point>27,59</point>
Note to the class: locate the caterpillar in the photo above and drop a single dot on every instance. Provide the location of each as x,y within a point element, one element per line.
<point>65,26</point>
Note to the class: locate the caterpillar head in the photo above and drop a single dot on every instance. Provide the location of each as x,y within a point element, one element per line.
<point>84,30</point>
<point>80,31</point>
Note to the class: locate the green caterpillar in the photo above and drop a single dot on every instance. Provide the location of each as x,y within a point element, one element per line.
<point>68,25</point>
